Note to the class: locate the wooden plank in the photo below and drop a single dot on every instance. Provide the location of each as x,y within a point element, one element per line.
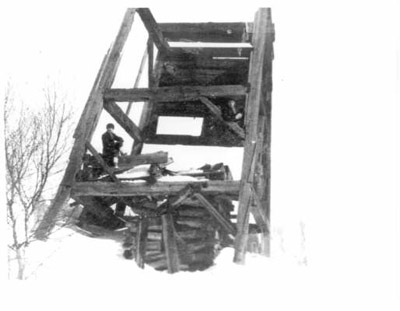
<point>225,223</point>
<point>208,53</point>
<point>153,29</point>
<point>206,32</point>
<point>141,240</point>
<point>181,196</point>
<point>193,141</point>
<point>87,125</point>
<point>262,42</point>
<point>150,67</point>
<point>171,247</point>
<point>127,162</point>
<point>173,93</point>
<point>234,127</point>
<point>123,120</point>
<point>262,219</point>
<point>211,187</point>
<point>101,162</point>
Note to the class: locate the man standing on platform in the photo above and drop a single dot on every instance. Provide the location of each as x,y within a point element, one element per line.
<point>111,146</point>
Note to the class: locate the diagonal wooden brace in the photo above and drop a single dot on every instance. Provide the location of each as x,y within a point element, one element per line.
<point>101,162</point>
<point>228,227</point>
<point>234,127</point>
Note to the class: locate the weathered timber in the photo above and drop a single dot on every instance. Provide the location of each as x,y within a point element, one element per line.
<point>103,164</point>
<point>87,124</point>
<point>127,162</point>
<point>170,245</point>
<point>208,53</point>
<point>138,77</point>
<point>123,120</point>
<point>212,187</point>
<point>225,223</point>
<point>151,235</point>
<point>262,43</point>
<point>193,212</point>
<point>150,64</point>
<point>153,29</point>
<point>148,106</point>
<point>191,234</point>
<point>259,213</point>
<point>190,222</point>
<point>181,196</point>
<point>217,113</point>
<point>173,93</point>
<point>141,239</point>
<point>193,140</point>
<point>206,32</point>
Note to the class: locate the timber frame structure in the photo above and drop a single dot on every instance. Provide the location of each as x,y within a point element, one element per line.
<point>242,72</point>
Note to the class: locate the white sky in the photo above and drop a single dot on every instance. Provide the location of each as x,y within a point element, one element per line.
<point>335,119</point>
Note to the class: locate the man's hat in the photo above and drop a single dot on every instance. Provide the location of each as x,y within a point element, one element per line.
<point>110,126</point>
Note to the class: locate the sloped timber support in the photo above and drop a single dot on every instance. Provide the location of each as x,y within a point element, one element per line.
<point>101,161</point>
<point>260,77</point>
<point>123,120</point>
<point>217,113</point>
<point>87,125</point>
<point>153,29</point>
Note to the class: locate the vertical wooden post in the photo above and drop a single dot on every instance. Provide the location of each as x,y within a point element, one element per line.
<point>171,247</point>
<point>141,240</point>
<point>138,77</point>
<point>87,125</point>
<point>259,73</point>
<point>153,78</point>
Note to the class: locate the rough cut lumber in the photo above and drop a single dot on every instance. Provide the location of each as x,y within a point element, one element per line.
<point>153,29</point>
<point>181,196</point>
<point>138,77</point>
<point>212,187</point>
<point>101,162</point>
<point>217,113</point>
<point>141,239</point>
<point>87,125</point>
<point>127,162</point>
<point>210,32</point>
<point>123,120</point>
<point>262,53</point>
<point>173,93</point>
<point>191,141</point>
<point>170,245</point>
<point>225,223</point>
<point>148,106</point>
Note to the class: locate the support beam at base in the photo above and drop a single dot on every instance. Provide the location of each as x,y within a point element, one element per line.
<point>171,247</point>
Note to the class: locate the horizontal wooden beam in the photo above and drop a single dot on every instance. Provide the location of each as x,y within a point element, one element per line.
<point>153,29</point>
<point>123,120</point>
<point>173,93</point>
<point>210,32</point>
<point>211,187</point>
<point>126,162</point>
<point>193,140</point>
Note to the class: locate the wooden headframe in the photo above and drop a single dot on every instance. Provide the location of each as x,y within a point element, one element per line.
<point>253,190</point>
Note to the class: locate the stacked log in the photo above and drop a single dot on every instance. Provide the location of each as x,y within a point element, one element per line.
<point>197,236</point>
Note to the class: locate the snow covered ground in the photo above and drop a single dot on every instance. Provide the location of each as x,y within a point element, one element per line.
<point>75,272</point>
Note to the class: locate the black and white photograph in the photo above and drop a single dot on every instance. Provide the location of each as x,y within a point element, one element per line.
<point>211,155</point>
